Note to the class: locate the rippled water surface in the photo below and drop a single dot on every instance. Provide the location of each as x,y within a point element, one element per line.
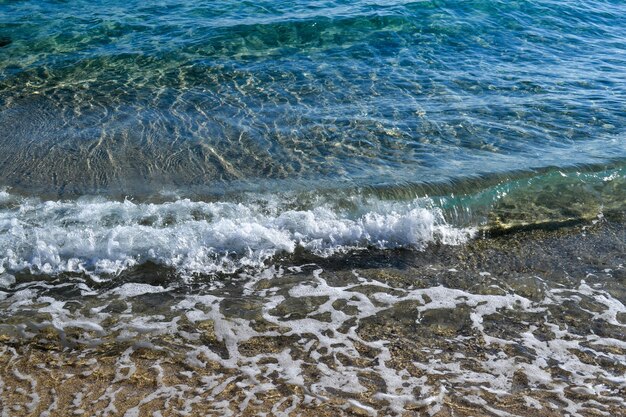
<point>133,98</point>
<point>314,207</point>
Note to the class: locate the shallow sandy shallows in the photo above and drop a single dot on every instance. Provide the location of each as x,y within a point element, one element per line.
<point>529,324</point>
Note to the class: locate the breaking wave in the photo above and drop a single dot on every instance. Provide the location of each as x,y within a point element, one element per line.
<point>102,237</point>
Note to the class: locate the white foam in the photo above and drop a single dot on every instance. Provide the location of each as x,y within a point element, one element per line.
<point>100,237</point>
<point>6,280</point>
<point>133,289</point>
<point>323,344</point>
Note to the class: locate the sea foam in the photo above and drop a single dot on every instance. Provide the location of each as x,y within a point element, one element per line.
<point>102,237</point>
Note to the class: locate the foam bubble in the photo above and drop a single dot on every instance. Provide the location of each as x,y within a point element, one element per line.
<point>133,289</point>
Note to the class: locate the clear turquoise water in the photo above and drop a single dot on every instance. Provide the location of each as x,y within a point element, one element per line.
<point>358,108</point>
<point>313,207</point>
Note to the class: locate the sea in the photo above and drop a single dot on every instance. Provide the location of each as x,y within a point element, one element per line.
<point>312,208</point>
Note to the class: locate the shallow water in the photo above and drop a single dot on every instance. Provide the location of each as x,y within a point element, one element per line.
<point>321,126</point>
<point>123,98</point>
<point>527,324</point>
<point>359,208</point>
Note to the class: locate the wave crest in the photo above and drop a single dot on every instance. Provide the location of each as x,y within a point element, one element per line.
<point>100,237</point>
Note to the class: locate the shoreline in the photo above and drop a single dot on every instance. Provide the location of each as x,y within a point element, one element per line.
<point>499,325</point>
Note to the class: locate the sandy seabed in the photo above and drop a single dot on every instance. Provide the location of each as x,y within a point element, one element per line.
<point>531,323</point>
